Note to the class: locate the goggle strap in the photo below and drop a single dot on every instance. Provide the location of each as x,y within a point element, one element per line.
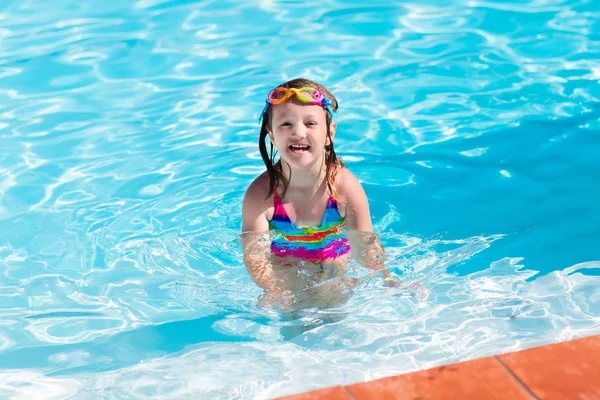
<point>327,104</point>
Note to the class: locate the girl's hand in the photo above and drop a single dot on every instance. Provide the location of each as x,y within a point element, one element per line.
<point>391,282</point>
<point>277,299</point>
<point>414,288</point>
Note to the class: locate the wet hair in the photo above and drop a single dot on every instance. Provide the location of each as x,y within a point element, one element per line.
<point>275,169</point>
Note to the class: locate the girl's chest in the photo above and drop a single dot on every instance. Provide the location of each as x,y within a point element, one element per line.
<point>306,211</point>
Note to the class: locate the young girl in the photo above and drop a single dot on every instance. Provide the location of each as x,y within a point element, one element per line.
<point>313,205</point>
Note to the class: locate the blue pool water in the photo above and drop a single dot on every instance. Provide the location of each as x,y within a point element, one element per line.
<point>128,137</point>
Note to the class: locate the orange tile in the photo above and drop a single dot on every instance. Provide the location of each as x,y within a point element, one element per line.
<point>569,370</point>
<point>485,379</point>
<point>334,393</point>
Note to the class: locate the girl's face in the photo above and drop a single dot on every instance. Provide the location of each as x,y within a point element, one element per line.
<point>299,132</point>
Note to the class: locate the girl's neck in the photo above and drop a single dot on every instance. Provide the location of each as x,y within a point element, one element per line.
<point>304,179</point>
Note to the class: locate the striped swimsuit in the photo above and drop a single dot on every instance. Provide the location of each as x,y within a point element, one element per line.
<point>315,244</point>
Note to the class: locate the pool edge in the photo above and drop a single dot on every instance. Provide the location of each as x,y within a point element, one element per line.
<point>560,370</point>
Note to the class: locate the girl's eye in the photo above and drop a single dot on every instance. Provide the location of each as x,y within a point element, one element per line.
<point>311,123</point>
<point>286,124</point>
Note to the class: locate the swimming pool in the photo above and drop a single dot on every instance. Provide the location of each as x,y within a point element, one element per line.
<point>129,132</point>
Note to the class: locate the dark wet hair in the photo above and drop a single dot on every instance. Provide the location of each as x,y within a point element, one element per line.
<point>275,170</point>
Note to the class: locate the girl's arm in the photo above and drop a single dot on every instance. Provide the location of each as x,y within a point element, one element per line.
<point>256,261</point>
<point>255,236</point>
<point>366,247</point>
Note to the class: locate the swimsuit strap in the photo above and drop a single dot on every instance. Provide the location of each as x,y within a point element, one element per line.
<point>333,174</point>
<point>281,218</point>
<point>278,204</point>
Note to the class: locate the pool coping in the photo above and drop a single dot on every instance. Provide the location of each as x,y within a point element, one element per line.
<point>563,370</point>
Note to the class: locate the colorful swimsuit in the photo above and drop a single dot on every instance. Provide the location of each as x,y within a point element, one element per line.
<point>317,245</point>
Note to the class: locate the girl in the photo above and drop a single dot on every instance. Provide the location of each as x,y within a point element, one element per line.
<point>314,206</point>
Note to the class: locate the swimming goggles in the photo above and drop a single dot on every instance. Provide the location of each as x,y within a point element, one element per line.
<point>307,95</point>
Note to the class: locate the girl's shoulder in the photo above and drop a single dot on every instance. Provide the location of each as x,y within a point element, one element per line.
<point>353,202</point>
<point>258,191</point>
<point>346,184</point>
<point>257,207</point>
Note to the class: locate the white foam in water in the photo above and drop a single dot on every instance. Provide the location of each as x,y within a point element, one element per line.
<point>496,310</point>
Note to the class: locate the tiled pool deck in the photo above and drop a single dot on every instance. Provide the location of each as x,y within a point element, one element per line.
<point>569,370</point>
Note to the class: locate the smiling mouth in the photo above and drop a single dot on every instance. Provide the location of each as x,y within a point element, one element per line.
<point>299,148</point>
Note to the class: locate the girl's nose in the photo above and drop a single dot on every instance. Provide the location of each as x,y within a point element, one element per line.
<point>300,130</point>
